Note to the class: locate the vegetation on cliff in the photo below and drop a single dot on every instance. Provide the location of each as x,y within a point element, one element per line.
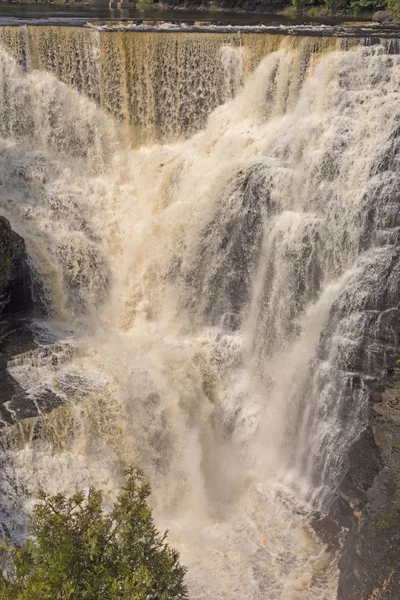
<point>321,8</point>
<point>80,552</point>
<point>349,7</point>
<point>316,7</point>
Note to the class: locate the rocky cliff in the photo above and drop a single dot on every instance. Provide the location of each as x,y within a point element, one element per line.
<point>16,306</point>
<point>370,562</point>
<point>15,280</point>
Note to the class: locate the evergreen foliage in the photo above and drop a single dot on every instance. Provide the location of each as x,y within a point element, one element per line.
<point>77,552</point>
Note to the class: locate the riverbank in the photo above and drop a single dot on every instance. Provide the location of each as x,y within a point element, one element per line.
<point>217,9</point>
<point>82,13</point>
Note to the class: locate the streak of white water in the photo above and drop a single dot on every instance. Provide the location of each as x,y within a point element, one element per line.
<point>189,286</point>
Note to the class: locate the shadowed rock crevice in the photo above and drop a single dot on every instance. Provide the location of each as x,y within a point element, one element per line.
<point>16,310</point>
<point>15,277</point>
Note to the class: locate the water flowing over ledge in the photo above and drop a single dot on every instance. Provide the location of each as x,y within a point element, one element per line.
<point>214,222</point>
<point>163,84</point>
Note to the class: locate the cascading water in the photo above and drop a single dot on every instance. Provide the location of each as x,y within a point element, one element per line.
<point>208,295</point>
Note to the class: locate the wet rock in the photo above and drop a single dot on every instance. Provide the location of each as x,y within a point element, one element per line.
<point>218,277</point>
<point>370,560</point>
<point>15,281</point>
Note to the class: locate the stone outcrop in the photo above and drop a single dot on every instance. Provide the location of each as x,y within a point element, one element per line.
<point>383,17</point>
<point>370,562</point>
<point>15,280</point>
<point>16,306</point>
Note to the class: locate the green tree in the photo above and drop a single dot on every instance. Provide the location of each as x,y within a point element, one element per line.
<point>79,552</point>
<point>368,6</point>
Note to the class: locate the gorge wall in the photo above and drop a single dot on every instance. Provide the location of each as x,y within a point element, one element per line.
<point>211,220</point>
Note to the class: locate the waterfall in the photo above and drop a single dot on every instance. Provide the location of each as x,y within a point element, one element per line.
<point>213,218</point>
<point>162,85</point>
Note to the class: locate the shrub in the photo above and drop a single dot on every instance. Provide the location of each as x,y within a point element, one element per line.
<point>79,552</point>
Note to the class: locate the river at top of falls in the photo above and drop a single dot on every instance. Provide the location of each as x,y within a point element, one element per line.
<point>213,285</point>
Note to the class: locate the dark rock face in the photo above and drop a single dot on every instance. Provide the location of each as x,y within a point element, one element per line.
<point>369,492</point>
<point>15,280</point>
<point>370,562</point>
<point>16,338</point>
<point>19,302</point>
<point>16,306</point>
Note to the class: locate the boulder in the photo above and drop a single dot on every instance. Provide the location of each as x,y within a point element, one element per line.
<point>383,16</point>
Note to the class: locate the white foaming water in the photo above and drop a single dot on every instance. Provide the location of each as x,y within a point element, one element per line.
<point>206,300</point>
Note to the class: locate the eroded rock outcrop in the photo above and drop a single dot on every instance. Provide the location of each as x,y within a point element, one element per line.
<point>15,280</point>
<point>370,563</point>
<point>16,306</point>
